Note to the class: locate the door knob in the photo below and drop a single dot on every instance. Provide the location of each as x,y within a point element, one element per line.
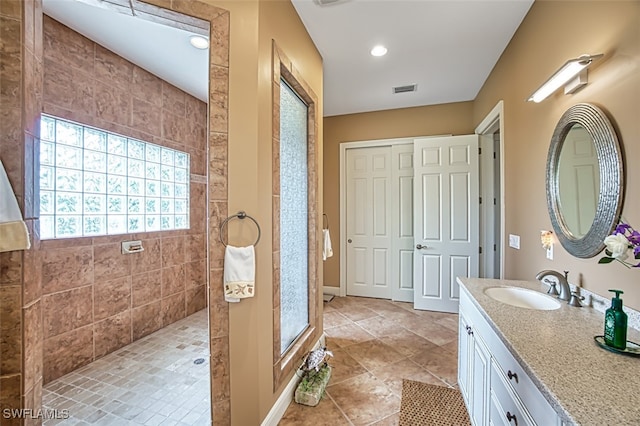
<point>349,240</point>
<point>420,247</point>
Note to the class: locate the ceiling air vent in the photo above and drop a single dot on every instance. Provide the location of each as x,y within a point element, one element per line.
<point>405,89</point>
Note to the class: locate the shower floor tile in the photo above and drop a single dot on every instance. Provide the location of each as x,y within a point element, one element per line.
<point>153,381</point>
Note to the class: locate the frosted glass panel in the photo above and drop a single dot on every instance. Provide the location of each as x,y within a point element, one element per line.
<point>96,183</point>
<point>294,271</point>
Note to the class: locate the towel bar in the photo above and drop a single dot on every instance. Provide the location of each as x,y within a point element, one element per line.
<point>239,215</point>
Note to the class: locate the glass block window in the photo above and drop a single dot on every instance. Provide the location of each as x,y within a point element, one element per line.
<point>294,252</point>
<point>93,182</point>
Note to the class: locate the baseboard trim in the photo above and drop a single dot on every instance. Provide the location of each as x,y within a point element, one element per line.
<point>285,398</point>
<point>334,291</point>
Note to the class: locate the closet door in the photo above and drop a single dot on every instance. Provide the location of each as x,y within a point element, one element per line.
<point>368,227</point>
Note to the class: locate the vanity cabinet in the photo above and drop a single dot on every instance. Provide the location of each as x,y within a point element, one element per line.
<point>494,386</point>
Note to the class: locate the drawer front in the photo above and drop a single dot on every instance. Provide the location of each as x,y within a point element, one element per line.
<point>520,383</point>
<point>505,407</point>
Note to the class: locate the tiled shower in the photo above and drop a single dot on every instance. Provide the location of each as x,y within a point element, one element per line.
<point>96,299</point>
<point>26,305</point>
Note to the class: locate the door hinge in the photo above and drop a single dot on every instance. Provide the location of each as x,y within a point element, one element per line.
<point>480,200</point>
<point>495,247</point>
<point>494,155</point>
<point>480,250</point>
<point>479,150</point>
<point>494,201</point>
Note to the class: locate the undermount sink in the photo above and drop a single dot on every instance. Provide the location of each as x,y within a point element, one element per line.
<point>522,298</point>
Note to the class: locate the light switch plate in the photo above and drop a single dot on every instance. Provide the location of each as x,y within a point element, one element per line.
<point>514,241</point>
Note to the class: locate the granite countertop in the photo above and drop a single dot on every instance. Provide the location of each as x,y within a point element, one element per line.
<point>586,384</point>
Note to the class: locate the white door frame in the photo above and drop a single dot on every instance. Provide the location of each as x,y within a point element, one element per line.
<point>493,120</point>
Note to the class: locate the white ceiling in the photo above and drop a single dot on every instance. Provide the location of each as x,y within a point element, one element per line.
<point>446,47</point>
<point>162,50</point>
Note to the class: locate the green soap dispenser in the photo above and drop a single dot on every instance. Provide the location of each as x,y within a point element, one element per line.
<point>615,323</point>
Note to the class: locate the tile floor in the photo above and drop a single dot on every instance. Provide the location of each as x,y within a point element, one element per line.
<point>376,343</point>
<point>153,381</point>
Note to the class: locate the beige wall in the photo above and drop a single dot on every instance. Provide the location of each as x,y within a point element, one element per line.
<point>95,299</point>
<point>254,24</point>
<point>455,118</point>
<point>551,33</point>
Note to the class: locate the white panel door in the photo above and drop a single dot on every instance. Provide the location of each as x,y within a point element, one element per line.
<point>446,219</point>
<point>368,227</point>
<point>402,222</point>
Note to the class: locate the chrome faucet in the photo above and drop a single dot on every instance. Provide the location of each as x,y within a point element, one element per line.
<point>565,289</point>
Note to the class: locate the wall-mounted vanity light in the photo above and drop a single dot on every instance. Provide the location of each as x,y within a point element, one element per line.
<point>572,75</point>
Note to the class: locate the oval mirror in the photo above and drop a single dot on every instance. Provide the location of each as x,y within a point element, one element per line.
<point>584,180</point>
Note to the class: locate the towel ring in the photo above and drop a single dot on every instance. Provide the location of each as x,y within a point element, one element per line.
<point>239,215</point>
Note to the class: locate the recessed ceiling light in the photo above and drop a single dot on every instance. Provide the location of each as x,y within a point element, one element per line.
<point>199,42</point>
<point>379,50</point>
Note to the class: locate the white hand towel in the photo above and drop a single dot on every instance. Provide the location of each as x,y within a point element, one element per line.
<point>239,273</point>
<point>13,230</point>
<point>327,251</point>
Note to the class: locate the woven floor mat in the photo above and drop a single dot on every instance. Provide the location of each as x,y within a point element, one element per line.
<point>429,405</point>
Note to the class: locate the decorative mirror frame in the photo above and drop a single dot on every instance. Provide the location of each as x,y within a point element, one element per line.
<point>610,162</point>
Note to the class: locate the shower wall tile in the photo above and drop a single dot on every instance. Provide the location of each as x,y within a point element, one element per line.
<point>32,400</point>
<point>67,310</point>
<point>64,47</point>
<point>112,104</point>
<point>198,208</point>
<point>144,117</point>
<point>109,262</point>
<point>196,274</point>
<point>32,275</point>
<point>112,333</point>
<point>69,89</point>
<point>146,87</point>
<point>111,297</point>
<point>67,352</point>
<point>172,251</point>
<point>220,40</point>
<point>198,160</point>
<point>173,126</point>
<point>63,269</point>
<point>94,86</point>
<point>173,280</point>
<point>195,247</point>
<point>149,259</point>
<point>220,370</point>
<point>11,8</point>
<point>10,330</point>
<point>10,395</point>
<point>10,267</point>
<point>33,344</point>
<point>173,308</point>
<point>173,100</point>
<point>112,69</point>
<point>146,288</point>
<point>195,299</point>
<point>146,319</point>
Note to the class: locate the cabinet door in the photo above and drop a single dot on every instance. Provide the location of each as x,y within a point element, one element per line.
<point>481,377</point>
<point>465,356</point>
